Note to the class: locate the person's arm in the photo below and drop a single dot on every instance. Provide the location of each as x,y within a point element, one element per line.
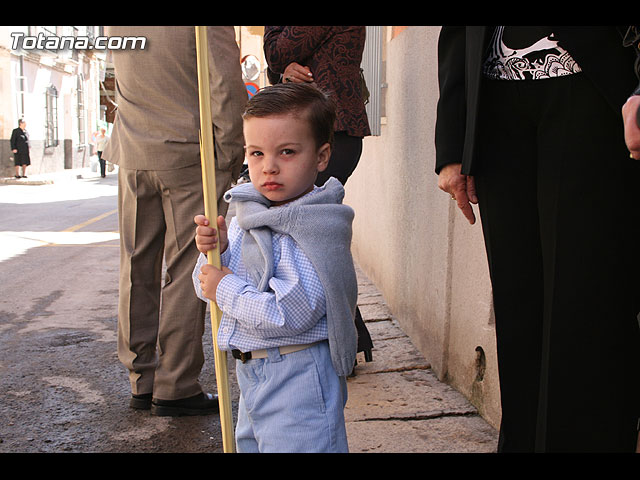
<point>461,188</point>
<point>228,98</point>
<point>450,122</point>
<point>14,141</point>
<point>287,309</point>
<point>631,118</point>
<point>631,110</point>
<point>271,35</point>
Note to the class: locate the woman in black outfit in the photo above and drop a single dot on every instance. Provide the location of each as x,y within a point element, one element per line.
<point>20,148</point>
<point>529,126</point>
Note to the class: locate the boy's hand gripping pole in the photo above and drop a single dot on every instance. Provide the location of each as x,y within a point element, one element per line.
<point>211,212</point>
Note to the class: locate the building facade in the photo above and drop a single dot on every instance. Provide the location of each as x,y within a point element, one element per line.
<point>429,263</point>
<point>50,76</point>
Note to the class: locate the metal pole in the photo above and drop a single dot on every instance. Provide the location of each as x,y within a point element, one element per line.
<point>211,212</point>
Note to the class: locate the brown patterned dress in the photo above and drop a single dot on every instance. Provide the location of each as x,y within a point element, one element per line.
<point>333,54</point>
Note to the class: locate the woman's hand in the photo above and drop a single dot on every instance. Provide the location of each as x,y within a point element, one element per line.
<point>631,128</point>
<point>297,73</point>
<point>461,188</point>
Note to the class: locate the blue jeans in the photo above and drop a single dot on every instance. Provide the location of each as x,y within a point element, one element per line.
<point>291,403</point>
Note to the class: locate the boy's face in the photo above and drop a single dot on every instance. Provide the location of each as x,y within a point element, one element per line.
<point>282,156</point>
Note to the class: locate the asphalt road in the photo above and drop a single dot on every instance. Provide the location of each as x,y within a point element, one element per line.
<point>62,388</point>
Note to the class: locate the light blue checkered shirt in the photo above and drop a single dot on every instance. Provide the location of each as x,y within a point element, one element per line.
<point>291,312</point>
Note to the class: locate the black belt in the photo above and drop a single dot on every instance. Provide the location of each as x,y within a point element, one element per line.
<point>245,356</point>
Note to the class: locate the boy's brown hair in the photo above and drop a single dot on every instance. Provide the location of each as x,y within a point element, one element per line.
<point>303,99</point>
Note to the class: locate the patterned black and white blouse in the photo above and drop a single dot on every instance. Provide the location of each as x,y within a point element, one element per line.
<point>526,53</point>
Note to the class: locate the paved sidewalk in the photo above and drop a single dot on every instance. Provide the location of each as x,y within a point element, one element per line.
<point>53,177</point>
<point>396,403</point>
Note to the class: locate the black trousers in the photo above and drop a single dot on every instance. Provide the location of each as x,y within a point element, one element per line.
<point>558,198</point>
<point>103,164</point>
<point>345,156</point>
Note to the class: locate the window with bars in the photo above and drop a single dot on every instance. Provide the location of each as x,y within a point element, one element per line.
<point>20,86</point>
<point>49,31</point>
<point>372,68</point>
<point>51,117</point>
<point>82,137</point>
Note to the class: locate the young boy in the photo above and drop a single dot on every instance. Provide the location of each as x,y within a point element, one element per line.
<point>288,287</point>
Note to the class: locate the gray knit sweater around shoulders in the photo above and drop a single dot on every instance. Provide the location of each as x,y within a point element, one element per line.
<point>321,226</point>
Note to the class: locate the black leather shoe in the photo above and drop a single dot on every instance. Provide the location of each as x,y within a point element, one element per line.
<point>141,402</point>
<point>201,404</point>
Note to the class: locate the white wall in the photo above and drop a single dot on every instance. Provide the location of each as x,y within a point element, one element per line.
<point>410,238</point>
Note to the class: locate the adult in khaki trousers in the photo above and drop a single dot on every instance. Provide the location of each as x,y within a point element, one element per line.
<point>155,143</point>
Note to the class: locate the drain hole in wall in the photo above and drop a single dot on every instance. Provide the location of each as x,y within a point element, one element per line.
<point>481,364</point>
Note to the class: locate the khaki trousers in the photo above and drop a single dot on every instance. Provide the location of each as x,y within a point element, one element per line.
<point>161,321</point>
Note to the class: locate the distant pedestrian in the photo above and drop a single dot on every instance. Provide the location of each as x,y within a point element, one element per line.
<point>101,142</point>
<point>20,148</point>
